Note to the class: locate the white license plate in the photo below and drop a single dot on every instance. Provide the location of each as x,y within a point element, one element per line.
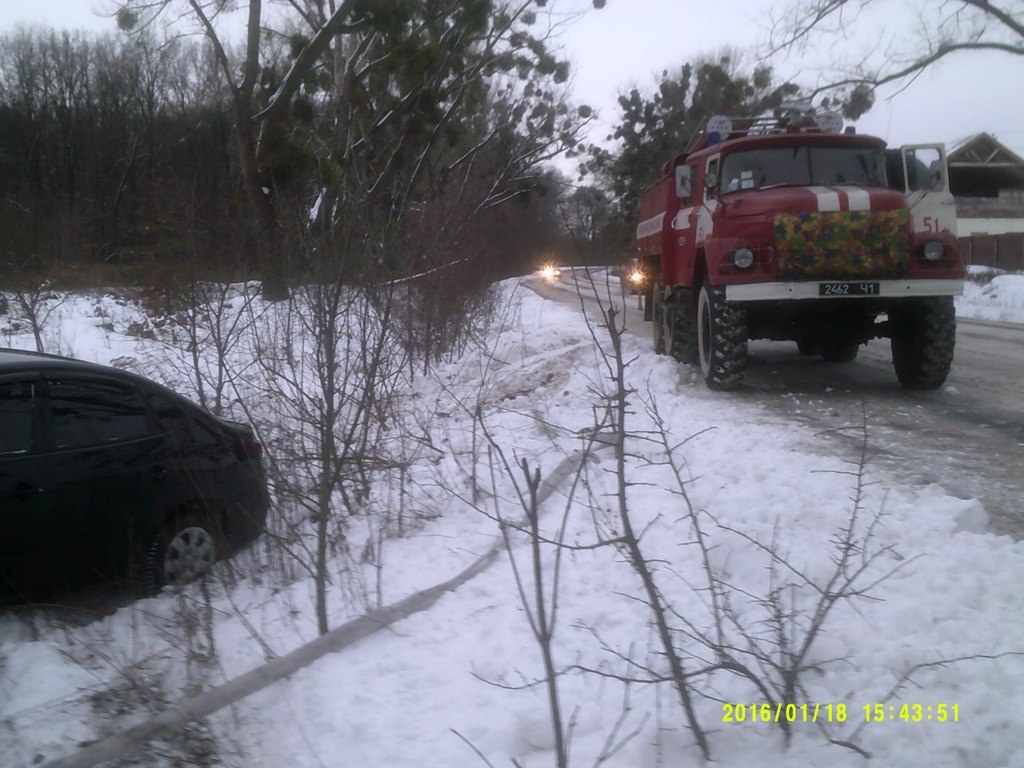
<point>848,288</point>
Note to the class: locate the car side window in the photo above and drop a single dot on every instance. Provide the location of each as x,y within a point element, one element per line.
<point>89,412</point>
<point>173,419</point>
<point>16,416</point>
<point>205,434</point>
<point>170,416</point>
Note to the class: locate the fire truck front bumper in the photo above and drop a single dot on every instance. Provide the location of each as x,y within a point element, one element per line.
<point>843,289</point>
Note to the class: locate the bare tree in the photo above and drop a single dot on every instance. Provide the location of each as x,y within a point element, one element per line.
<point>204,326</point>
<point>630,540</point>
<point>386,99</point>
<point>948,29</point>
<point>33,294</point>
<point>540,603</point>
<point>330,365</point>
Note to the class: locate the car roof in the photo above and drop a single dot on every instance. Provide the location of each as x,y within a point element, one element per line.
<point>12,360</point>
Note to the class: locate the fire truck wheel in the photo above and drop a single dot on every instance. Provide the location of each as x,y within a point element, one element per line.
<point>658,319</point>
<point>923,338</point>
<point>722,339</point>
<point>681,336</point>
<point>839,352</point>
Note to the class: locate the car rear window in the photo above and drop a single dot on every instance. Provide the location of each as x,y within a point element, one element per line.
<point>15,417</point>
<point>91,412</point>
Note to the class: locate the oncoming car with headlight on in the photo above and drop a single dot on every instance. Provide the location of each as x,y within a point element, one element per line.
<point>550,272</point>
<point>636,279</point>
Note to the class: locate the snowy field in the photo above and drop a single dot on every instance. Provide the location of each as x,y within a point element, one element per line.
<point>934,623</point>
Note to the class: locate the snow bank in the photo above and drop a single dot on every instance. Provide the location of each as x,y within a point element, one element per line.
<point>992,295</point>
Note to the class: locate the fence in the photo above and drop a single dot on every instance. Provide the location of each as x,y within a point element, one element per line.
<point>1001,251</point>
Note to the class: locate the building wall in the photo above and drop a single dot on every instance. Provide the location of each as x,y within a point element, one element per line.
<point>1004,251</point>
<point>977,226</point>
<point>992,229</point>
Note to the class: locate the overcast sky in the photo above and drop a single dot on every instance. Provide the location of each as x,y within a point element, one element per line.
<point>630,41</point>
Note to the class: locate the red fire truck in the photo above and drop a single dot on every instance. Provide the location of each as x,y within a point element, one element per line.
<point>790,229</point>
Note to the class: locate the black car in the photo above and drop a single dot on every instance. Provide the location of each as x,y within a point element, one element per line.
<point>105,474</point>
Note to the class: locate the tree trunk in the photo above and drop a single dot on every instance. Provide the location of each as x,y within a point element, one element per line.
<point>264,219</point>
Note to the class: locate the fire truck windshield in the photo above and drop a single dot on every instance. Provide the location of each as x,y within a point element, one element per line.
<point>802,166</point>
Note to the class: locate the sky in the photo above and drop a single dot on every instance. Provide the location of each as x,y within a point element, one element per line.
<point>630,41</point>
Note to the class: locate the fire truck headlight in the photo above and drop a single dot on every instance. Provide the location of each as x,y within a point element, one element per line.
<point>636,277</point>
<point>933,250</point>
<point>742,258</point>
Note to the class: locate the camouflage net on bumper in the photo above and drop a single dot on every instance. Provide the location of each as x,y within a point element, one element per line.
<point>842,245</point>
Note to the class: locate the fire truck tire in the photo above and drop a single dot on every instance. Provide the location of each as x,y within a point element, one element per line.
<point>658,319</point>
<point>923,337</point>
<point>839,352</point>
<point>721,339</point>
<point>681,336</point>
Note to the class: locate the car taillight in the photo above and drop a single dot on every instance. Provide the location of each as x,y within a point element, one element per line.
<point>253,447</point>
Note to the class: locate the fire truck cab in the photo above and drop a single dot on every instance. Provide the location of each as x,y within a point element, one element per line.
<point>788,229</point>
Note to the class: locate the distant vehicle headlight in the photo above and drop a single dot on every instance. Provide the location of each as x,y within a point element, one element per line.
<point>549,272</point>
<point>933,250</point>
<point>742,258</point>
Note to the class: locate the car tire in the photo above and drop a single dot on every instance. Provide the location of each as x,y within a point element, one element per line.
<point>185,549</point>
<point>721,339</point>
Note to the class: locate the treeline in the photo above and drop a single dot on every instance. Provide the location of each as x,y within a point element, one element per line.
<point>414,138</point>
<point>115,149</point>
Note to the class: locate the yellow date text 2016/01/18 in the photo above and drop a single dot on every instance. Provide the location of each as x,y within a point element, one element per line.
<point>783,713</point>
<point>838,713</point>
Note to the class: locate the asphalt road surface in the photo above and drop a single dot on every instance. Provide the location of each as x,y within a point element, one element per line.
<point>967,436</point>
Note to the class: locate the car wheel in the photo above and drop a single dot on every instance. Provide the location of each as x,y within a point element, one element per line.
<point>186,549</point>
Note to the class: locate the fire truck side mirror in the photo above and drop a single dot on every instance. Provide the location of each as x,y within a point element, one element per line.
<point>682,182</point>
<point>924,167</point>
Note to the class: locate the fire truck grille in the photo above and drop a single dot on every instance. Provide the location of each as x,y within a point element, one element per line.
<point>842,244</point>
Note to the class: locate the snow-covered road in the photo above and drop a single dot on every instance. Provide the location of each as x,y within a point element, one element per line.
<point>967,436</point>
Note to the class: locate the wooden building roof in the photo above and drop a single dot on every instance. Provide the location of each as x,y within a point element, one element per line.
<point>980,167</point>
